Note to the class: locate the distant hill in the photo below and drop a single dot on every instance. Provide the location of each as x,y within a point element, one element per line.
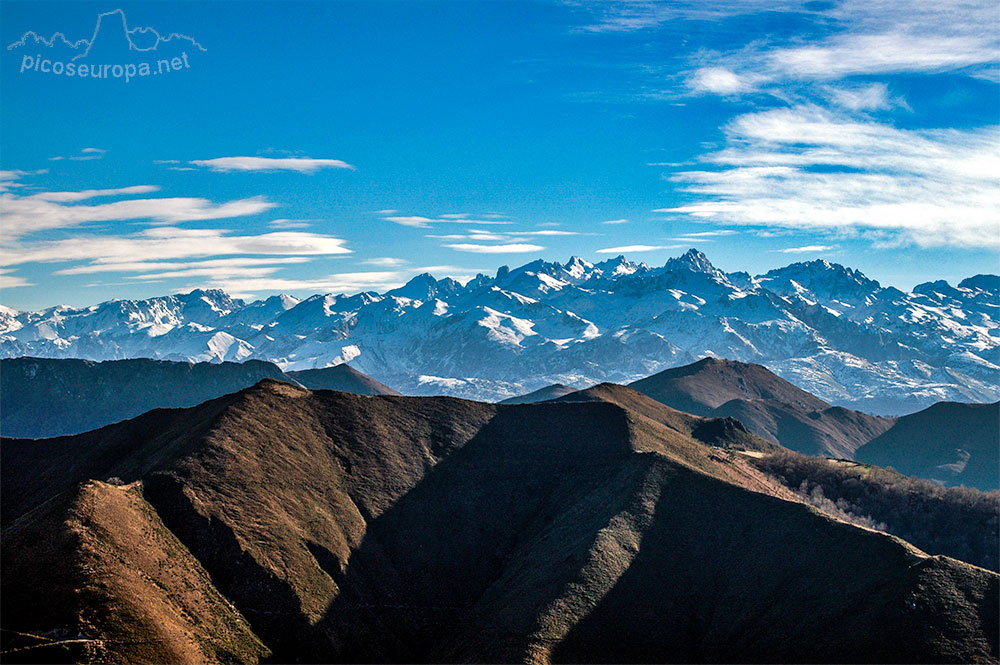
<point>768,405</point>
<point>44,397</point>
<point>341,377</point>
<point>554,391</point>
<point>282,524</point>
<point>957,444</point>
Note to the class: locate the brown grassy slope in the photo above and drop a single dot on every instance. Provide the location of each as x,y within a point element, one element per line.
<point>769,406</point>
<point>958,444</point>
<point>104,581</point>
<point>717,432</point>
<point>394,529</point>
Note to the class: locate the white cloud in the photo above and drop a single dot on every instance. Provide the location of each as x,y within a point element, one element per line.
<point>8,281</point>
<point>869,37</point>
<point>290,223</point>
<point>48,210</point>
<point>84,155</point>
<point>616,221</point>
<point>300,164</point>
<point>515,248</point>
<point>807,249</point>
<point>72,197</point>
<point>414,221</point>
<point>351,282</point>
<point>720,80</point>
<point>385,262</point>
<point>628,249</point>
<point>210,264</point>
<point>546,232</point>
<point>806,167</point>
<point>167,243</point>
<point>422,222</point>
<point>707,234</point>
<point>860,98</point>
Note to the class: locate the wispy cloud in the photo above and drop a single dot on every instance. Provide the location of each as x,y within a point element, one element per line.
<point>73,197</point>
<point>385,262</point>
<point>871,97</point>
<point>809,168</point>
<point>616,221</point>
<point>168,243</point>
<point>867,38</point>
<point>84,155</point>
<point>8,281</point>
<point>349,282</point>
<point>807,249</point>
<point>290,223</point>
<point>210,266</point>
<point>49,210</point>
<point>629,249</point>
<point>299,164</point>
<point>515,248</point>
<point>708,234</point>
<point>632,15</point>
<point>422,222</point>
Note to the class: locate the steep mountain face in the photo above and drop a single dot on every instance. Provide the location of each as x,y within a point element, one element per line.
<point>956,444</point>
<point>822,326</point>
<point>295,526</point>
<point>767,404</point>
<point>44,397</point>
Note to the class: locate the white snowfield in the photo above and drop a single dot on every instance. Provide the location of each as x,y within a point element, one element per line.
<point>824,327</point>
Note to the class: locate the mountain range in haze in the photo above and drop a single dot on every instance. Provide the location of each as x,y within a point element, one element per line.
<point>826,328</point>
<point>282,524</point>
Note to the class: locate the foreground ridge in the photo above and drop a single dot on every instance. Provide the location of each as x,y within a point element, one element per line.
<point>332,527</point>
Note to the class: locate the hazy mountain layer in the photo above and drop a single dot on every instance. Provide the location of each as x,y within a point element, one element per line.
<point>50,397</point>
<point>947,442</point>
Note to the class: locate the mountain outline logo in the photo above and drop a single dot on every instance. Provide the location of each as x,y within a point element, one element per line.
<point>131,36</point>
<point>109,53</point>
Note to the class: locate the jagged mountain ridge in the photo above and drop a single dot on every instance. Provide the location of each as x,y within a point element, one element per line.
<point>292,526</point>
<point>824,327</point>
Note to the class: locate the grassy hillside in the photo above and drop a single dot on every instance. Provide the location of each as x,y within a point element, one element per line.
<point>293,525</point>
<point>769,406</point>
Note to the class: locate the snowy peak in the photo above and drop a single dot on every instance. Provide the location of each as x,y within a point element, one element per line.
<point>693,261</point>
<point>822,281</point>
<point>422,287</point>
<point>618,267</point>
<point>989,283</point>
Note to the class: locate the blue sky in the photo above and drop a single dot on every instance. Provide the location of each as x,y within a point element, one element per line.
<point>328,147</point>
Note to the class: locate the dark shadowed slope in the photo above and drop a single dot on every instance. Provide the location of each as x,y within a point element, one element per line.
<point>768,405</point>
<point>957,444</point>
<point>44,397</point>
<point>389,529</point>
<point>554,391</point>
<point>341,377</point>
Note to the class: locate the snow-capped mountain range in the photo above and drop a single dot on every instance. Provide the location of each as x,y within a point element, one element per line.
<point>826,328</point>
